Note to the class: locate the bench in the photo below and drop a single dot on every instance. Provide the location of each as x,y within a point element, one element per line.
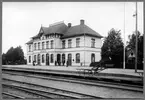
<point>140,73</point>
<point>92,70</point>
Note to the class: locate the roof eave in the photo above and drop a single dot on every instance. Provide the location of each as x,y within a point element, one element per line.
<point>63,37</point>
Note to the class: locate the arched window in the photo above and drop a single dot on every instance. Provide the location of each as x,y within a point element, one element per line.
<point>77,58</point>
<point>43,58</point>
<point>92,57</point>
<point>51,58</point>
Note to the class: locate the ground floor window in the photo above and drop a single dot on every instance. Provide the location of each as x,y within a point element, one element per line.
<point>29,59</point>
<point>43,58</point>
<point>51,58</point>
<point>92,57</point>
<point>77,58</point>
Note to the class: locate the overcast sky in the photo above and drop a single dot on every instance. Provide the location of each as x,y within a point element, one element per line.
<point>23,20</point>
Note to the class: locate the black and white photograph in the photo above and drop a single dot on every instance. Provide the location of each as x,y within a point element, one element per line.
<point>72,50</point>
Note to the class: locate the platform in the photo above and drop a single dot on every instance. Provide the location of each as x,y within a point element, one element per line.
<point>111,71</point>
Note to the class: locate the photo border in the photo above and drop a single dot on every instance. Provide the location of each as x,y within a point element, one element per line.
<point>69,1</point>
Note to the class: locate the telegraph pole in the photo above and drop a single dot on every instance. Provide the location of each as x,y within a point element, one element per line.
<point>136,42</point>
<point>124,40</point>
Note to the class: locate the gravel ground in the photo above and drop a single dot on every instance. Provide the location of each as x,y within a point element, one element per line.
<point>93,90</point>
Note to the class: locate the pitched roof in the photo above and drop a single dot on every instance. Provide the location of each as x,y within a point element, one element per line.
<point>59,27</point>
<point>80,30</point>
<point>30,42</point>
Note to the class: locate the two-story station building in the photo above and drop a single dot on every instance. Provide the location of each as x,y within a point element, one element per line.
<point>55,45</point>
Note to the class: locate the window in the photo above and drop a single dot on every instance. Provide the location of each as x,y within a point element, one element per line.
<point>52,44</point>
<point>43,58</point>
<point>51,58</point>
<point>35,58</point>
<point>29,59</point>
<point>77,42</point>
<point>29,48</point>
<point>93,43</point>
<point>35,46</point>
<point>47,44</point>
<point>63,59</point>
<point>69,43</point>
<point>63,44</point>
<point>42,45</point>
<point>38,45</point>
<point>77,58</point>
<point>93,57</point>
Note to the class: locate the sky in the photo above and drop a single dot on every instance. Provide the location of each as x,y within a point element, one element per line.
<point>22,20</point>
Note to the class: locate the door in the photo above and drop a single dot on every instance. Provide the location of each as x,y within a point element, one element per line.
<point>58,59</point>
<point>69,59</point>
<point>38,59</point>
<point>63,59</point>
<point>47,59</point>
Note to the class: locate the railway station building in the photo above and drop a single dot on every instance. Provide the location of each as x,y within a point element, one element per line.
<point>59,44</point>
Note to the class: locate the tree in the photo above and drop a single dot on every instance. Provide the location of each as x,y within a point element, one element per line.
<point>14,56</point>
<point>112,48</point>
<point>132,45</point>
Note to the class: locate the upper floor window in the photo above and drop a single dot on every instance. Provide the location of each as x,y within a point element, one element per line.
<point>69,43</point>
<point>93,43</point>
<point>38,45</point>
<point>77,42</point>
<point>43,37</point>
<point>77,58</point>
<point>35,46</point>
<point>29,48</point>
<point>52,44</point>
<point>42,45</point>
<point>63,44</point>
<point>47,44</point>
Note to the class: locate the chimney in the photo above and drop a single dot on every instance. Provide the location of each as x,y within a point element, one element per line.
<point>69,25</point>
<point>82,22</point>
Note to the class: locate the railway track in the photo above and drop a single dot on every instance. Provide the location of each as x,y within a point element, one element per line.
<point>117,85</point>
<point>29,90</point>
<point>7,95</point>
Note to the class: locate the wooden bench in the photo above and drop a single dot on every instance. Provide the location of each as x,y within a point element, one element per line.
<point>140,73</point>
<point>83,70</point>
<point>92,70</point>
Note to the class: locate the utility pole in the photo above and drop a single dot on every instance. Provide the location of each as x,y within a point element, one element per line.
<point>136,42</point>
<point>124,40</point>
